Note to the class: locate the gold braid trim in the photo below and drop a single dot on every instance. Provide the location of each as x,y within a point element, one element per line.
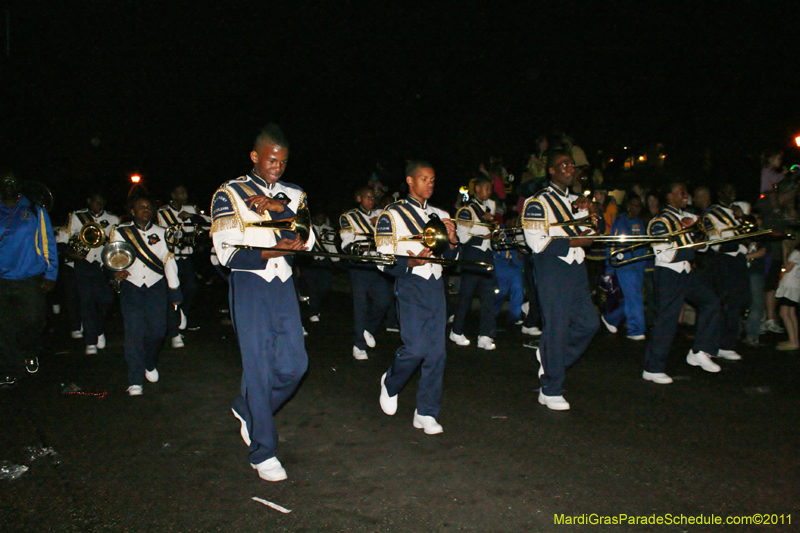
<point>536,225</point>
<point>232,221</point>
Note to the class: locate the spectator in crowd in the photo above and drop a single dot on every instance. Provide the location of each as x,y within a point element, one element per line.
<point>771,169</point>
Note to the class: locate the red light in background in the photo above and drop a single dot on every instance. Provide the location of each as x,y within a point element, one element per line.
<point>136,178</point>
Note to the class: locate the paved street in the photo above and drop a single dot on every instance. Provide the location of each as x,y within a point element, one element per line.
<point>172,460</point>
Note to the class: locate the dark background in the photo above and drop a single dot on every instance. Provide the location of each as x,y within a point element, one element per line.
<point>94,91</point>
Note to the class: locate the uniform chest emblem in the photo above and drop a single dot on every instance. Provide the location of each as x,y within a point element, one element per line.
<point>103,223</point>
<point>153,239</point>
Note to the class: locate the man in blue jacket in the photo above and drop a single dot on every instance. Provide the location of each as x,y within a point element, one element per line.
<point>28,270</point>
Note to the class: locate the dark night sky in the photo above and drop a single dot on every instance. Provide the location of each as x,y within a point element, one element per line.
<point>178,90</point>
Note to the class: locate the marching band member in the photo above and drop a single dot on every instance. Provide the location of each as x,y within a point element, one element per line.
<point>264,306</point>
<point>371,288</point>
<point>420,293</point>
<point>568,316</point>
<point>147,289</point>
<point>179,212</point>
<point>676,282</point>
<point>728,265</point>
<point>472,227</point>
<point>71,298</point>
<point>96,296</point>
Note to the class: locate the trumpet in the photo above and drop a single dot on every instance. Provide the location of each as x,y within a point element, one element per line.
<point>90,236</point>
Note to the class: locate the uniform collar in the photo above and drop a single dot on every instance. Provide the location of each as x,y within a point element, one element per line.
<point>416,203</point>
<point>558,191</point>
<point>98,215</point>
<point>260,181</point>
<point>146,228</point>
<point>362,210</point>
<point>672,209</point>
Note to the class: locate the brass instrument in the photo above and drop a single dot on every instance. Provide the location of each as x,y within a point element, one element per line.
<point>433,236</point>
<point>743,231</point>
<point>118,255</point>
<point>90,236</point>
<point>177,237</point>
<point>300,223</point>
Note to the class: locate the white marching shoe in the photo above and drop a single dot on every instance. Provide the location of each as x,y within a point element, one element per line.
<point>91,350</point>
<point>486,343</point>
<point>151,375</point>
<point>77,334</point>
<point>135,390</point>
<point>460,340</point>
<point>533,330</point>
<point>369,339</point>
<point>609,327</point>
<point>101,341</point>
<point>427,424</point>
<point>556,403</point>
<point>388,403</point>
<point>177,341</point>
<point>270,470</point>
<point>656,377</point>
<point>359,354</point>
<point>730,355</point>
<point>703,360</point>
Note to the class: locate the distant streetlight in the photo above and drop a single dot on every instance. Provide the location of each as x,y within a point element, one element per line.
<point>136,178</point>
<point>797,140</point>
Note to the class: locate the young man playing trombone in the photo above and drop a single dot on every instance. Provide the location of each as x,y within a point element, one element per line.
<point>420,289</point>
<point>676,282</point>
<point>371,287</point>
<point>555,236</point>
<point>264,307</point>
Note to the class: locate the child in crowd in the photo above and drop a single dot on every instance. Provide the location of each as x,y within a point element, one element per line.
<point>788,295</point>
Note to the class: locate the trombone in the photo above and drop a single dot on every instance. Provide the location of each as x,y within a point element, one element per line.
<point>433,236</point>
<point>616,260</point>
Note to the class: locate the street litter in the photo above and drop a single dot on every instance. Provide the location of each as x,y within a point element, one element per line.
<point>9,471</point>
<point>275,506</point>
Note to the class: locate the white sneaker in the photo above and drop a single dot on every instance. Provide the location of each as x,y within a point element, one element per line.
<point>360,354</point>
<point>774,327</point>
<point>101,342</point>
<point>369,339</point>
<point>427,423</point>
<point>636,337</point>
<point>91,350</point>
<point>461,340</point>
<point>451,319</point>
<point>184,320</point>
<point>151,375</point>
<point>556,403</point>
<point>486,343</point>
<point>270,470</point>
<point>526,306</point>
<point>388,403</point>
<point>656,377</point>
<point>730,355</point>
<point>56,309</point>
<point>77,334</point>
<point>243,430</point>
<point>135,390</point>
<point>177,341</point>
<point>531,331</point>
<point>313,318</point>
<point>609,327</point>
<point>703,360</point>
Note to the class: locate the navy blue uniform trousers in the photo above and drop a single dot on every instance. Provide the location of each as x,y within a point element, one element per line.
<point>569,320</point>
<point>484,283</point>
<point>732,285</point>
<point>266,317</point>
<point>422,312</point>
<point>672,289</point>
<point>96,299</point>
<point>371,299</point>
<point>187,275</point>
<point>144,313</point>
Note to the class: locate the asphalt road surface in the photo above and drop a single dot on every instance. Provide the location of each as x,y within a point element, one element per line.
<point>709,445</point>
